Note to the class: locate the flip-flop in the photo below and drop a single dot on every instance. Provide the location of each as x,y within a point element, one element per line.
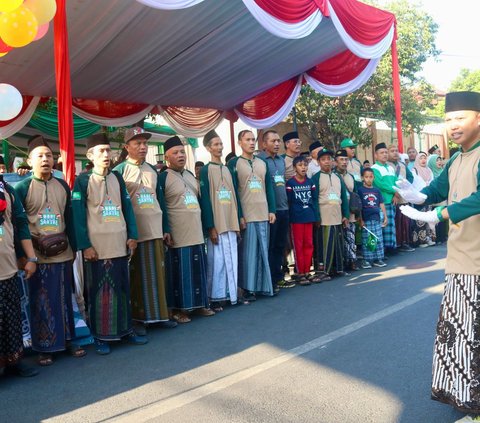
<point>77,351</point>
<point>181,318</point>
<point>45,360</point>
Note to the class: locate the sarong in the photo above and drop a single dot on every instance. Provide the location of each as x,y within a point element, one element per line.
<point>11,342</point>
<point>147,286</point>
<point>402,227</point>
<point>51,312</point>
<point>375,227</point>
<point>389,235</point>
<point>350,248</point>
<point>421,231</point>
<point>317,248</point>
<point>456,355</point>
<point>25,309</point>
<point>254,270</point>
<point>187,275</point>
<point>333,245</point>
<point>222,274</point>
<point>108,292</point>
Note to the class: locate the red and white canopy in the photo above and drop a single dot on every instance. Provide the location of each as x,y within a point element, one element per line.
<point>199,61</point>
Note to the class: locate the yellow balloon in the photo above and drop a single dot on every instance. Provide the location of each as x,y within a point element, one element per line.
<point>18,28</point>
<point>44,10</point>
<point>9,5</point>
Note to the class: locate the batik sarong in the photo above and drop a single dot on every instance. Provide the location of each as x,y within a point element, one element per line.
<point>389,231</point>
<point>51,312</point>
<point>350,248</point>
<point>375,227</point>
<point>402,227</point>
<point>108,292</point>
<point>422,234</point>
<point>11,342</point>
<point>456,355</point>
<point>222,274</point>
<point>187,275</point>
<point>25,309</point>
<point>147,286</point>
<point>333,245</point>
<point>253,266</point>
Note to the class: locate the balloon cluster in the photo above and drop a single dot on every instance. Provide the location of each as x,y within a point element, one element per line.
<point>21,22</point>
<point>24,21</point>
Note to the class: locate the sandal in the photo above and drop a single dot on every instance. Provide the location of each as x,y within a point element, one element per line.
<point>315,278</point>
<point>303,281</point>
<point>243,300</point>
<point>205,312</point>
<point>77,351</point>
<point>45,360</point>
<point>181,318</point>
<point>216,307</point>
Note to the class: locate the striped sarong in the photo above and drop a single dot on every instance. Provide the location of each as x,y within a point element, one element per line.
<point>11,342</point>
<point>333,245</point>
<point>222,274</point>
<point>107,283</point>
<point>254,270</point>
<point>51,312</point>
<point>389,235</point>
<point>374,227</point>
<point>147,282</point>
<point>186,269</point>
<point>402,227</point>
<point>350,248</point>
<point>456,355</point>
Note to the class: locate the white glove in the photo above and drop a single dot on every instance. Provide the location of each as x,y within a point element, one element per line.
<point>409,193</point>
<point>414,214</point>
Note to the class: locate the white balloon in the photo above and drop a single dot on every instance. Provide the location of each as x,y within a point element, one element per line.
<point>11,102</point>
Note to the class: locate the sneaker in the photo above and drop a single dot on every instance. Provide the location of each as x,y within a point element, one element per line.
<point>469,418</point>
<point>102,347</point>
<point>342,273</point>
<point>167,324</point>
<point>406,248</point>
<point>135,339</point>
<point>366,264</point>
<point>423,245</point>
<point>431,243</point>
<point>20,369</point>
<point>379,263</point>
<point>286,284</point>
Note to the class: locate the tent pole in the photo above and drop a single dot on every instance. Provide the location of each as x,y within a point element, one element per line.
<point>396,92</point>
<point>232,137</point>
<point>64,92</point>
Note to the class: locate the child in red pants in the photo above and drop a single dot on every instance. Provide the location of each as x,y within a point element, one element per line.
<point>303,208</point>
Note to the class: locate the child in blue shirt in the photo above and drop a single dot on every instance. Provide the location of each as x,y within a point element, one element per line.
<point>372,204</point>
<point>303,209</point>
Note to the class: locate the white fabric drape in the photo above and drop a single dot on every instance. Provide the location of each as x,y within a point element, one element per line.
<point>346,88</point>
<point>187,131</point>
<point>279,115</point>
<point>20,121</point>
<point>121,121</point>
<point>280,28</point>
<point>170,4</point>
<point>361,50</point>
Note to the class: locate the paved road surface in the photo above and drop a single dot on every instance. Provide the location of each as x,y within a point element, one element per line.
<point>355,349</point>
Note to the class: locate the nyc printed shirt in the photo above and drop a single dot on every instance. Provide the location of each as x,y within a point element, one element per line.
<point>303,200</point>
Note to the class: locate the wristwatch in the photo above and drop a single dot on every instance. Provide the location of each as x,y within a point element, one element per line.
<point>32,260</point>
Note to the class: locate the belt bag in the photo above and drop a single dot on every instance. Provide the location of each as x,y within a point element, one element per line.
<point>355,203</point>
<point>50,245</point>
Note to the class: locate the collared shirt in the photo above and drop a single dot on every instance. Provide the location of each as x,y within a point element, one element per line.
<point>276,166</point>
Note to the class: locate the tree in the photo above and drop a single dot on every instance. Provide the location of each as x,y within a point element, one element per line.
<point>332,118</point>
<point>467,80</point>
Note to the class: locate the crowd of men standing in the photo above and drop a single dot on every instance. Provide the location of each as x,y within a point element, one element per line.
<point>159,248</point>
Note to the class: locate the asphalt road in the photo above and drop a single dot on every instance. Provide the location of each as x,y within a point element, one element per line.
<point>355,349</point>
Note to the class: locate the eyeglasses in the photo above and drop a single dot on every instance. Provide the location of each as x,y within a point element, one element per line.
<point>296,141</point>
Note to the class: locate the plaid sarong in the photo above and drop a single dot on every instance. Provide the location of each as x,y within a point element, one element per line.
<point>389,235</point>
<point>375,227</point>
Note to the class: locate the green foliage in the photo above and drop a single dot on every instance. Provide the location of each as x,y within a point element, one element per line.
<point>467,80</point>
<point>330,119</point>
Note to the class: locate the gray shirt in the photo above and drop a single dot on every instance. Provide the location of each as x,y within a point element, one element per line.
<point>276,167</point>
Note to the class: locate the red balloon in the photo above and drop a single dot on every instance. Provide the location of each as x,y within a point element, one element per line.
<point>4,48</point>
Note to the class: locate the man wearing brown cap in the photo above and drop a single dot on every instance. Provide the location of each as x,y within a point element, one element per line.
<point>456,357</point>
<point>186,261</point>
<point>47,202</point>
<point>147,269</point>
<point>220,215</point>
<point>106,232</point>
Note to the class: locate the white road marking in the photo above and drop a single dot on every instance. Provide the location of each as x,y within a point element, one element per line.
<point>164,406</point>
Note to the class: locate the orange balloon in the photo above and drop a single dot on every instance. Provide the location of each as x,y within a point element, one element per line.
<point>44,10</point>
<point>18,28</point>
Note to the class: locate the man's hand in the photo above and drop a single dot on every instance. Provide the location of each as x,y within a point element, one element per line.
<point>90,254</point>
<point>167,239</point>
<point>271,218</point>
<point>318,224</point>
<point>345,222</point>
<point>243,223</point>
<point>406,190</point>
<point>30,269</point>
<point>132,246</point>
<point>385,222</point>
<point>213,234</point>
<point>22,171</point>
<point>429,216</point>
